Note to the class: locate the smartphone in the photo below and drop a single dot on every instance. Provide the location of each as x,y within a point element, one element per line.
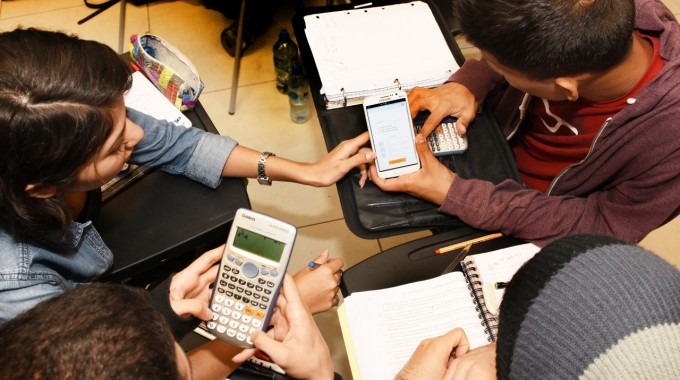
<point>445,139</point>
<point>251,271</point>
<point>391,131</point>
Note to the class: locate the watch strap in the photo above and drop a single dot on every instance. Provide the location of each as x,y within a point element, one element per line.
<point>262,178</point>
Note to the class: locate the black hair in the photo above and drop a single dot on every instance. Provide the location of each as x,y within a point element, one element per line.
<point>550,38</point>
<point>97,331</point>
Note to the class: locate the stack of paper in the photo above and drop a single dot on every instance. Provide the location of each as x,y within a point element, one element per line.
<point>146,98</point>
<point>365,51</point>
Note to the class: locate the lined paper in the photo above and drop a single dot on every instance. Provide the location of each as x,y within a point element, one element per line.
<point>499,266</point>
<point>388,324</point>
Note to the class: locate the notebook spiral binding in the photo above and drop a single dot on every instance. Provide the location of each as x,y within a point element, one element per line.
<point>489,321</point>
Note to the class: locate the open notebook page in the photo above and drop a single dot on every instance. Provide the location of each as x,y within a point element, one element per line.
<point>388,324</point>
<point>364,50</point>
<point>499,266</point>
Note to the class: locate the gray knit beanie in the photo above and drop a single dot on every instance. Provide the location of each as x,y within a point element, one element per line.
<point>590,307</point>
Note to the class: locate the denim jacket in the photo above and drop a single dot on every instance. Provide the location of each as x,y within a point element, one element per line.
<point>31,272</point>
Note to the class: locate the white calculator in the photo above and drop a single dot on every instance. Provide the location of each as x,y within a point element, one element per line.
<point>251,271</point>
<point>445,139</point>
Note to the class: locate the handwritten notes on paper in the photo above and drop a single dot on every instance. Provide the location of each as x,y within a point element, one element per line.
<point>364,51</point>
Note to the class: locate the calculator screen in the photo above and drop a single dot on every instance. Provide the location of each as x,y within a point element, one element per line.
<point>259,245</point>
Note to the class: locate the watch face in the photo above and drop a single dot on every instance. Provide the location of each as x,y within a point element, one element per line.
<point>264,181</point>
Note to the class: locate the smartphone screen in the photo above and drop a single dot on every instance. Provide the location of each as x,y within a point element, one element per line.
<point>392,135</point>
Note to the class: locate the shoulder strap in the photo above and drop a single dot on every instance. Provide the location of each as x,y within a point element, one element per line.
<point>100,7</point>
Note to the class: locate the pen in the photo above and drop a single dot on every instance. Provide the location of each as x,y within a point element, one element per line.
<point>500,285</point>
<point>385,203</point>
<point>466,243</point>
<point>459,257</point>
<point>313,265</point>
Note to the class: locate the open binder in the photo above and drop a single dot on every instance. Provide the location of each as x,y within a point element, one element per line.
<point>370,212</point>
<point>369,50</point>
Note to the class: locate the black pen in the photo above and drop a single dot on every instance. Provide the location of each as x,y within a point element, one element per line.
<point>500,285</point>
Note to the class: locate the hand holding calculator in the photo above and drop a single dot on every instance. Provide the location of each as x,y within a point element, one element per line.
<point>445,139</point>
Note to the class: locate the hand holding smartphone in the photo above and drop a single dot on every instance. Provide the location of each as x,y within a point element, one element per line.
<point>253,265</point>
<point>391,131</point>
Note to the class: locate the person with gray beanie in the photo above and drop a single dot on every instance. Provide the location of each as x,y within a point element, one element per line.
<point>584,307</point>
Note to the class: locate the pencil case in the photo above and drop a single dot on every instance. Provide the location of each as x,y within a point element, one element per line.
<point>168,69</point>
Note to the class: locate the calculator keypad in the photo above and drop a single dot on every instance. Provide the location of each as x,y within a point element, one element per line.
<point>240,304</point>
<point>445,139</point>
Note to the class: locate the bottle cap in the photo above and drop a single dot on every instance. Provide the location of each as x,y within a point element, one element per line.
<point>284,36</point>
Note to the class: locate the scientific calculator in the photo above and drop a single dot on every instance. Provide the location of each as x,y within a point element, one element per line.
<point>445,139</point>
<point>251,271</point>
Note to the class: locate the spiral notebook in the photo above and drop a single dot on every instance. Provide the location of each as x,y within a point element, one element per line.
<point>382,328</point>
<point>369,50</point>
<point>484,270</point>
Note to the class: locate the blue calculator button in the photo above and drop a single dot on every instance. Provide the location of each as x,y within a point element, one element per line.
<point>250,270</point>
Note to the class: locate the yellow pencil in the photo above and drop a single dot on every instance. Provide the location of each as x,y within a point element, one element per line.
<point>468,242</point>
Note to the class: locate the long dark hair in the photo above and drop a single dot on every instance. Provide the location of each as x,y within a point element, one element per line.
<point>57,94</point>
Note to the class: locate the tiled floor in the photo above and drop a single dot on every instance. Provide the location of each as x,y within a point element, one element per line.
<point>261,120</point>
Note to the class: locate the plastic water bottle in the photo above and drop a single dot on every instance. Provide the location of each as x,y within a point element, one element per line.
<point>285,53</point>
<point>298,95</point>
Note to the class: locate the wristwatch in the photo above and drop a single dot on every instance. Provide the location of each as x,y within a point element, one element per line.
<point>262,178</point>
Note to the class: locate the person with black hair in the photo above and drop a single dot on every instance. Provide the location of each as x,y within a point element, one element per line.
<point>112,331</point>
<point>65,131</point>
<point>587,92</point>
